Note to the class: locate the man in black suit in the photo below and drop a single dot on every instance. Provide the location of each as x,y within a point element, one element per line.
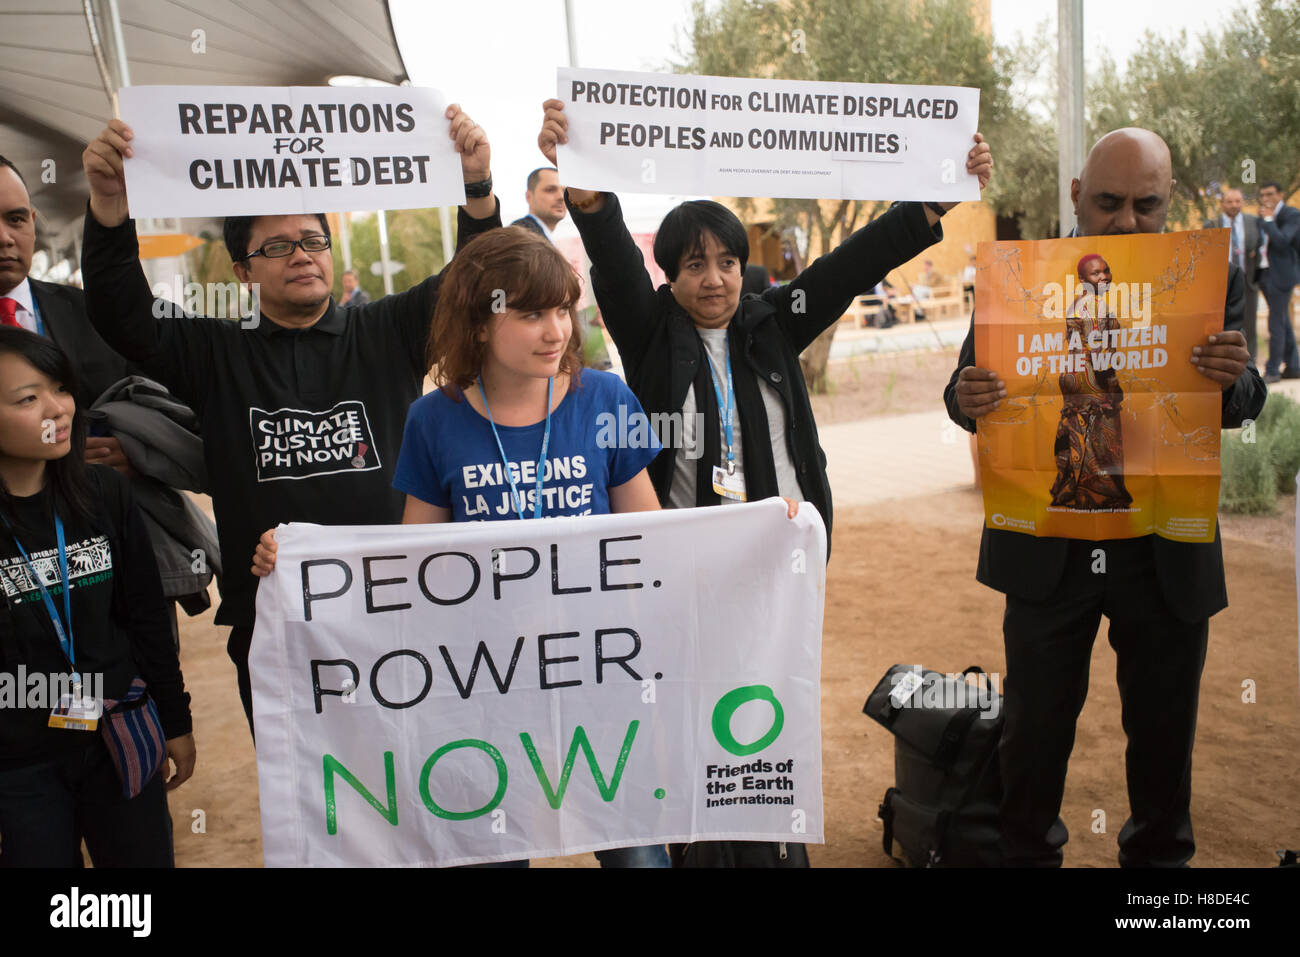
<point>53,310</point>
<point>1158,594</point>
<point>1281,226</point>
<point>1244,241</point>
<point>545,198</point>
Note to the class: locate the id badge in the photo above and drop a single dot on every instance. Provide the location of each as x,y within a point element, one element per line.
<point>730,486</point>
<point>76,714</point>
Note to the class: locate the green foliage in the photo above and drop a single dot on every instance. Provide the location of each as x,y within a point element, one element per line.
<point>1024,138</point>
<point>1226,104</point>
<point>1248,484</point>
<point>857,41</point>
<point>1279,422</point>
<point>414,239</point>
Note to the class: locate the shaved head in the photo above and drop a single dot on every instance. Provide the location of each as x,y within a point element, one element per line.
<point>1124,185</point>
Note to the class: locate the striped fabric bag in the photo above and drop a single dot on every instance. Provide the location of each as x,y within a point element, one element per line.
<point>134,736</point>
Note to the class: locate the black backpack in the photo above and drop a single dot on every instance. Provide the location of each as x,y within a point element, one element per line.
<point>943,807</point>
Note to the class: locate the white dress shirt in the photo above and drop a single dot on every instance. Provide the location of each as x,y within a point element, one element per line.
<point>22,294</point>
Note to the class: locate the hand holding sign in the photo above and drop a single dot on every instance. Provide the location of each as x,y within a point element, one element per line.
<point>555,126</point>
<point>1222,358</point>
<point>472,145</point>
<point>979,391</point>
<point>102,162</point>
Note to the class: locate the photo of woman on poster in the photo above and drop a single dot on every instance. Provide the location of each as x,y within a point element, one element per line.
<point>1089,445</point>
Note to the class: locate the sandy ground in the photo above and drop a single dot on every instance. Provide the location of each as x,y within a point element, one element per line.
<point>901,588</point>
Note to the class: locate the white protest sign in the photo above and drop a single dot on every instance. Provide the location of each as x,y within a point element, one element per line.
<point>455,694</point>
<point>257,150</point>
<point>726,136</point>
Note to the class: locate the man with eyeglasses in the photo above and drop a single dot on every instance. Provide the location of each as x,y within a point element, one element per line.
<point>303,404</point>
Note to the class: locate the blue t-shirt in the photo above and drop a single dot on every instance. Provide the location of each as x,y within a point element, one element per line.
<point>600,438</point>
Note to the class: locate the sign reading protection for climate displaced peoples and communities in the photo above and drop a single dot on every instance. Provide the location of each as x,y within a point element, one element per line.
<point>255,150</point>
<point>455,694</point>
<point>727,136</point>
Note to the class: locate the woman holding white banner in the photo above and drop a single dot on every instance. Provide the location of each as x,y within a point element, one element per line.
<point>518,429</point>
<point>695,348</point>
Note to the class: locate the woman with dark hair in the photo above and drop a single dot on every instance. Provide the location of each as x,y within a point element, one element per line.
<point>1089,445</point>
<point>696,347</point>
<point>85,734</point>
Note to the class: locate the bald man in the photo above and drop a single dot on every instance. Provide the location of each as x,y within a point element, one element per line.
<point>1244,240</point>
<point>1158,594</point>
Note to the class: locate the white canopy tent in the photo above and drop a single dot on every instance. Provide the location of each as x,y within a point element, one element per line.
<point>53,96</point>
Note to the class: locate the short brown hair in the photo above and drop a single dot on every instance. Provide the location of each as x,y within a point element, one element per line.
<point>510,267</point>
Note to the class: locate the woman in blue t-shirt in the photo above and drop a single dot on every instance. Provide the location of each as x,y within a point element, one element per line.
<point>508,363</point>
<point>517,428</point>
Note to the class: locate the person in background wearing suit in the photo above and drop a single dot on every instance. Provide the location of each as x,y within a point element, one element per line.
<point>1244,241</point>
<point>1158,594</point>
<point>353,294</point>
<point>1281,226</point>
<point>52,310</point>
<point>545,198</point>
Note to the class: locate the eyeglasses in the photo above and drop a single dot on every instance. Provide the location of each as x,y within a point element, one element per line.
<point>279,248</point>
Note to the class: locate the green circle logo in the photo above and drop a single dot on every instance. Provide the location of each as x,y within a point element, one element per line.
<point>727,706</point>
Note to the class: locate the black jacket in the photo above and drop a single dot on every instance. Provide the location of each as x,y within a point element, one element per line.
<point>1283,249</point>
<point>299,425</point>
<point>1190,573</point>
<point>663,356</point>
<point>63,310</point>
<point>119,618</point>
<point>530,224</point>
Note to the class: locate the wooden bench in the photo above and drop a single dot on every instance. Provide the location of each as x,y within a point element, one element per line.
<point>865,309</point>
<point>947,301</point>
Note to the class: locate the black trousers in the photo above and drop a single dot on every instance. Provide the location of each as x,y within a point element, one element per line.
<point>241,639</point>
<point>1159,661</point>
<point>47,808</point>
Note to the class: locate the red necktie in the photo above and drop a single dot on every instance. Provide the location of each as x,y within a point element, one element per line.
<point>8,311</point>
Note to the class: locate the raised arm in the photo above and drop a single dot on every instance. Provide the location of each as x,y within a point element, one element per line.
<point>818,296</point>
<point>619,279</point>
<point>413,309</point>
<point>173,348</point>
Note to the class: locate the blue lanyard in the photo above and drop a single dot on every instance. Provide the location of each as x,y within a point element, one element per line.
<point>65,638</point>
<point>541,460</point>
<point>725,407</point>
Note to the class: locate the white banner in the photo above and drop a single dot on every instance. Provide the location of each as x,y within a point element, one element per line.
<point>726,136</point>
<point>456,694</point>
<point>263,150</point>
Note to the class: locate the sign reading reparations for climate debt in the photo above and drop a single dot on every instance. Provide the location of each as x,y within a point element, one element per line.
<point>257,150</point>
<point>454,694</point>
<point>1108,430</point>
<point>726,136</point>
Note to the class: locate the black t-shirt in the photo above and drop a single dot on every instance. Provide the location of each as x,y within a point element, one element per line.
<point>119,617</point>
<point>299,425</point>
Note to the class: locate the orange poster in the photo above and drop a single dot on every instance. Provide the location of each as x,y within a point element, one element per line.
<point>1107,429</point>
